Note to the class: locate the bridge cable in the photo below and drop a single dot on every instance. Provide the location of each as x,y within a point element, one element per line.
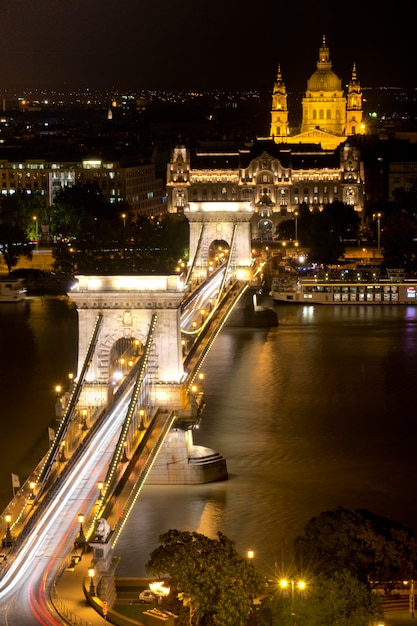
<point>76,392</point>
<point>128,419</point>
<point>197,252</point>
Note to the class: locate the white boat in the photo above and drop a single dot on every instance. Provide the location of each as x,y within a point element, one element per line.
<point>12,290</point>
<point>322,291</point>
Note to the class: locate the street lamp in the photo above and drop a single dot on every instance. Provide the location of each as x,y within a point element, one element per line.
<point>142,418</point>
<point>81,535</point>
<point>92,573</point>
<point>32,486</point>
<point>299,584</point>
<point>35,218</point>
<point>251,555</point>
<point>84,419</point>
<point>296,225</point>
<point>159,589</point>
<point>8,540</point>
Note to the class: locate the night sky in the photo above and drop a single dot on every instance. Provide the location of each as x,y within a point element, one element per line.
<point>187,44</point>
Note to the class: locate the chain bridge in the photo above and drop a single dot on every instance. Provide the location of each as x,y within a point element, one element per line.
<point>129,414</point>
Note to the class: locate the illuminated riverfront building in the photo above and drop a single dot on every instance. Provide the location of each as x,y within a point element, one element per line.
<point>134,184</point>
<point>274,175</point>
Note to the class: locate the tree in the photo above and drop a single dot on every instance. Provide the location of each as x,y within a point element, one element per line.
<point>13,244</point>
<point>324,239</point>
<point>214,583</point>
<point>399,241</point>
<point>369,546</point>
<point>17,225</point>
<point>336,599</point>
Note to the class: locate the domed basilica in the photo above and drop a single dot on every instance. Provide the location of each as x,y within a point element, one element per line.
<point>329,116</point>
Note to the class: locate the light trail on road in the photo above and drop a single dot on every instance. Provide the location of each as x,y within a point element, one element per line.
<point>24,584</point>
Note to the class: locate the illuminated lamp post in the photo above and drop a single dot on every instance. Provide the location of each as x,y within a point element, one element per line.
<point>62,458</point>
<point>125,458</point>
<point>296,225</point>
<point>92,573</point>
<point>142,419</point>
<point>32,486</point>
<point>251,555</point>
<point>159,589</point>
<point>35,219</point>
<point>81,535</point>
<point>84,419</point>
<point>8,540</point>
<point>58,403</point>
<point>300,584</point>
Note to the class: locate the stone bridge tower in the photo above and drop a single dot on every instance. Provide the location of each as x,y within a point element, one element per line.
<point>128,306</point>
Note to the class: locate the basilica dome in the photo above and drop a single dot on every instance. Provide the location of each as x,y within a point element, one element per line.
<point>324,80</point>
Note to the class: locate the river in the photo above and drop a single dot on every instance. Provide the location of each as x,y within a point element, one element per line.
<point>316,412</point>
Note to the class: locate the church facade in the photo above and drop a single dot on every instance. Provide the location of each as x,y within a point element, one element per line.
<point>329,116</point>
<point>273,176</point>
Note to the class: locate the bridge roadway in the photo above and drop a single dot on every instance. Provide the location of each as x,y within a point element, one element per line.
<point>40,555</point>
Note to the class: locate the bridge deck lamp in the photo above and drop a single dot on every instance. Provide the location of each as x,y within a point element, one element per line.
<point>32,486</point>
<point>84,419</point>
<point>100,486</point>
<point>92,573</point>
<point>142,419</point>
<point>124,458</point>
<point>62,458</point>
<point>81,535</point>
<point>8,540</point>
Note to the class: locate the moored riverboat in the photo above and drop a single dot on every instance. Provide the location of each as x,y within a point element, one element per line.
<point>12,290</point>
<point>322,291</point>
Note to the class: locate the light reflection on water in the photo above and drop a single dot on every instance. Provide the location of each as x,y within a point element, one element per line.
<point>312,414</point>
<point>315,413</point>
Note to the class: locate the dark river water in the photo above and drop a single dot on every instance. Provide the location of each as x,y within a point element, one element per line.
<point>317,412</point>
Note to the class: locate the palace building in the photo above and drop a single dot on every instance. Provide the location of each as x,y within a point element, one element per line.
<point>273,176</point>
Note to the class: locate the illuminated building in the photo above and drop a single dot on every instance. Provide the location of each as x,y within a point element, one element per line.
<point>276,174</point>
<point>134,184</point>
<point>328,116</point>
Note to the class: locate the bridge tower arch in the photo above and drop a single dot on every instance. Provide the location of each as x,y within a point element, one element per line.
<point>127,306</point>
<point>228,221</point>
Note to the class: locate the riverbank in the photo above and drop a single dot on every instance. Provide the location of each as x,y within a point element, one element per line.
<point>42,259</point>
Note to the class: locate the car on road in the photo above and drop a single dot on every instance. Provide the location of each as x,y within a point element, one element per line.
<point>147,597</point>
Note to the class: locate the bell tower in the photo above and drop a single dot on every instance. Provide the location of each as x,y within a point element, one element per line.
<point>354,125</point>
<point>279,112</point>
